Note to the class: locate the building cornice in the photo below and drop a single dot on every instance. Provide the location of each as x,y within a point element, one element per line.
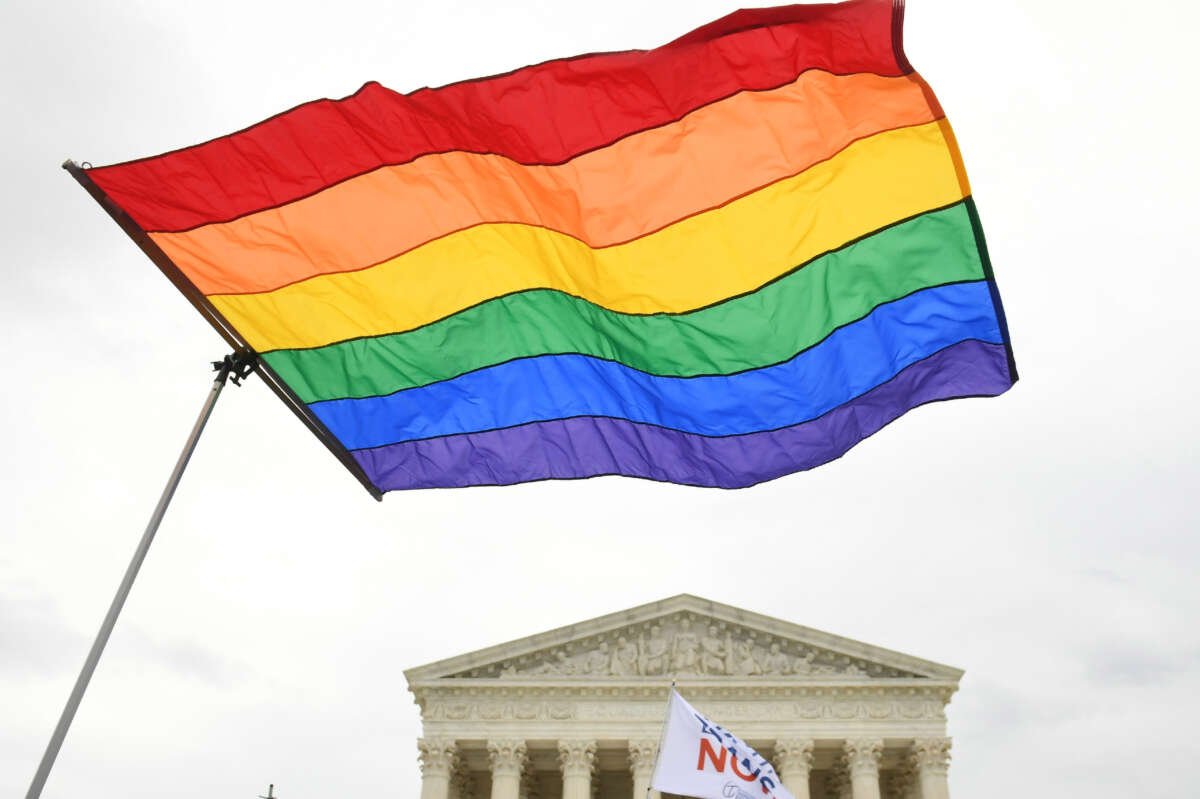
<point>507,689</point>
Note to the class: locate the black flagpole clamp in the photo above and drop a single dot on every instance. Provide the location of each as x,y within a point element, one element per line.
<point>235,366</point>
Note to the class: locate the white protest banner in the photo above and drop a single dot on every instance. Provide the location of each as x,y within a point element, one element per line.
<point>701,759</point>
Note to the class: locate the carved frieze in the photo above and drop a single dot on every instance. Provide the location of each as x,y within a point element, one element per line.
<point>684,645</point>
<point>831,706</point>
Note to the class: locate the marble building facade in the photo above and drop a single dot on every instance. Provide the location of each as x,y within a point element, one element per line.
<point>576,712</point>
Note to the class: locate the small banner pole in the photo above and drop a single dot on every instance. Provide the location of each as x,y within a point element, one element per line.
<point>231,365</point>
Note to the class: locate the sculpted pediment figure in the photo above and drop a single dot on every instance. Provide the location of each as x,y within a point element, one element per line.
<point>625,659</point>
<point>653,660</point>
<point>685,649</point>
<point>713,652</point>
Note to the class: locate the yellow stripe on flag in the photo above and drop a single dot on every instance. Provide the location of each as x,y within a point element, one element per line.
<point>693,263</point>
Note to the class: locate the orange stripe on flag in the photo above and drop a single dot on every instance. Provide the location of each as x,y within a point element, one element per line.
<point>634,187</point>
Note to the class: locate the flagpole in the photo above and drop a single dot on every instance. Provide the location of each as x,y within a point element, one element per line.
<point>238,366</point>
<point>662,735</point>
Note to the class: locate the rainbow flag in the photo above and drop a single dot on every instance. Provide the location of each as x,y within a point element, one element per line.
<point>715,263</point>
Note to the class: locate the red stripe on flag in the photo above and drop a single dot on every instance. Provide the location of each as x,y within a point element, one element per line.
<point>543,114</point>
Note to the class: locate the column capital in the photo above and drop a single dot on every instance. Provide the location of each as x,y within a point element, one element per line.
<point>641,756</point>
<point>507,757</point>
<point>577,757</point>
<point>794,755</point>
<point>439,756</point>
<point>862,756</point>
<point>931,755</point>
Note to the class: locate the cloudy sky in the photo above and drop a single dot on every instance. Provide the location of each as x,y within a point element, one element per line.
<point>1044,541</point>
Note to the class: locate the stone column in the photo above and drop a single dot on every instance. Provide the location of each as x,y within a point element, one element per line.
<point>641,766</point>
<point>862,761</point>
<point>577,759</point>
<point>507,759</point>
<point>793,758</point>
<point>931,757</point>
<point>439,757</point>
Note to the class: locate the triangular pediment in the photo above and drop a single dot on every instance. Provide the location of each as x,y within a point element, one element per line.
<point>682,638</point>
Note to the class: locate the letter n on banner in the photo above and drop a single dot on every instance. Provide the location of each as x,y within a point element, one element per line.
<point>706,749</point>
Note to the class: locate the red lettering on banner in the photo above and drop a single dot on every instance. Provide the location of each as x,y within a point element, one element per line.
<point>706,748</point>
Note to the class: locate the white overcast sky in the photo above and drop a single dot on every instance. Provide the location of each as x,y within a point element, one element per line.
<point>1045,542</point>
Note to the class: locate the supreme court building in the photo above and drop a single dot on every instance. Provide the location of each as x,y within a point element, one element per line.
<point>576,713</point>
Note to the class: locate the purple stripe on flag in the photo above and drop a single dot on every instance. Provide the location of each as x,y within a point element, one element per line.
<point>591,446</point>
